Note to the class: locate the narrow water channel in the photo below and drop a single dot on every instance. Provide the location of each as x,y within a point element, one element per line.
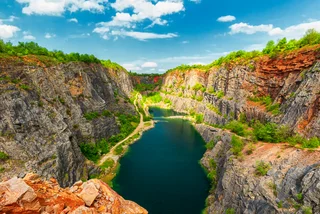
<point>161,171</point>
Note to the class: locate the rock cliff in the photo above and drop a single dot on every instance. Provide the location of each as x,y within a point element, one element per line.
<point>33,195</point>
<point>42,109</point>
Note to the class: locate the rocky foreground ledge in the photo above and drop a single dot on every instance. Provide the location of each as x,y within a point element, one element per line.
<point>33,195</point>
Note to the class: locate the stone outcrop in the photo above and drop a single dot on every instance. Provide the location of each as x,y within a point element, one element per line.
<point>33,195</point>
<point>291,80</point>
<point>291,185</point>
<point>42,110</point>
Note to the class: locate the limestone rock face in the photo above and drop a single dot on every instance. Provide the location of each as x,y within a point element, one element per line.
<point>291,80</point>
<point>42,119</point>
<point>33,195</point>
<point>292,181</point>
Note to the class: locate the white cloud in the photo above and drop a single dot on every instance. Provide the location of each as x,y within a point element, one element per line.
<point>73,20</point>
<point>49,35</point>
<point>10,19</point>
<point>255,47</point>
<point>185,42</point>
<point>131,67</point>
<point>142,10</point>
<point>143,35</point>
<point>291,32</point>
<point>227,18</point>
<point>161,70</point>
<point>149,65</point>
<point>249,29</point>
<point>27,36</point>
<point>295,31</point>
<point>7,31</point>
<point>58,7</point>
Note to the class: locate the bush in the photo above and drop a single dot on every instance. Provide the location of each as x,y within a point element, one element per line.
<point>307,210</point>
<point>220,94</point>
<point>312,143</point>
<point>90,151</point>
<point>3,156</point>
<point>118,150</point>
<point>262,168</point>
<point>198,86</point>
<point>199,118</point>
<point>25,87</point>
<point>154,97</point>
<point>237,145</point>
<point>265,132</point>
<point>237,127</point>
<point>230,211</point>
<point>106,113</point>
<point>108,163</point>
<point>210,145</point>
<point>91,115</point>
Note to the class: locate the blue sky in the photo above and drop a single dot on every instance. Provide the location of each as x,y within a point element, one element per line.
<point>149,36</point>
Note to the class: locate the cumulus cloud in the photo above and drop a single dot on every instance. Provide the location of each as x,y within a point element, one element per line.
<point>143,36</point>
<point>149,65</point>
<point>249,29</point>
<point>7,31</point>
<point>49,35</point>
<point>227,18</point>
<point>28,36</point>
<point>73,20</point>
<point>131,67</point>
<point>142,10</point>
<point>185,42</point>
<point>58,7</point>
<point>291,32</point>
<point>196,1</point>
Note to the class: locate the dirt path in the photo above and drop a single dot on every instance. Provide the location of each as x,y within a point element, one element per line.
<point>136,131</point>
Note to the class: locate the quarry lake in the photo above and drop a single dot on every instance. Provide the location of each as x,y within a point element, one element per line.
<point>161,171</point>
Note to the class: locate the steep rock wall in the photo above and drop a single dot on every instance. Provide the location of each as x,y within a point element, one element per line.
<point>42,115</point>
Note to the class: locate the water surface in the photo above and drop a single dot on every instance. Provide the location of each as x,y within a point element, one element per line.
<point>161,171</point>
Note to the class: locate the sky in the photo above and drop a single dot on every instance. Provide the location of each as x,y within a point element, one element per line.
<point>152,36</point>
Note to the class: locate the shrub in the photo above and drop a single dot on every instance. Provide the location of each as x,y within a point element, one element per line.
<point>25,87</point>
<point>237,145</point>
<point>220,94</point>
<point>199,118</point>
<point>210,145</point>
<point>91,115</point>
<point>167,101</point>
<point>307,210</point>
<point>265,132</point>
<point>230,211</point>
<point>299,196</point>
<point>237,127</point>
<point>262,168</point>
<point>311,143</point>
<point>198,86</point>
<point>106,113</point>
<point>3,156</point>
<point>154,97</point>
<point>90,151</point>
<point>199,98</point>
<point>118,150</point>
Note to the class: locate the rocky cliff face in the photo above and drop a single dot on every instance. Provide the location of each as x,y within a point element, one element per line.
<point>42,119</point>
<point>221,95</point>
<point>290,80</point>
<point>33,195</point>
<point>291,185</point>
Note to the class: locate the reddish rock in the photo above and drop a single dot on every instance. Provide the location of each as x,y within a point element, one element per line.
<point>33,195</point>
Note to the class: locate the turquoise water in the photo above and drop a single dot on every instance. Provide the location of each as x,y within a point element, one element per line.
<point>161,171</point>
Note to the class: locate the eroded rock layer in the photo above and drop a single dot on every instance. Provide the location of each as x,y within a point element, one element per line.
<point>33,195</point>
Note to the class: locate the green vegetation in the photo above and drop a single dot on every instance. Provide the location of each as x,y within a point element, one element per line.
<point>299,196</point>
<point>112,65</point>
<point>210,145</point>
<point>237,145</point>
<point>167,101</point>
<point>108,163</point>
<point>153,97</point>
<point>199,86</point>
<point>268,103</point>
<point>280,204</point>
<point>213,108</point>
<point>25,87</point>
<point>262,168</point>
<point>118,150</point>
<point>307,210</point>
<point>32,48</point>
<point>212,174</point>
<point>91,115</point>
<point>3,156</point>
<point>237,127</point>
<point>230,211</point>
<point>94,150</point>
<point>312,37</point>
<point>271,132</point>
<point>311,143</point>
<point>198,118</point>
<point>145,87</point>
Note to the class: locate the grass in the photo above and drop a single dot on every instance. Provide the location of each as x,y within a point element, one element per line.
<point>307,210</point>
<point>25,87</point>
<point>4,156</point>
<point>268,103</point>
<point>118,150</point>
<point>237,127</point>
<point>230,211</point>
<point>214,109</point>
<point>109,163</point>
<point>262,168</point>
<point>91,115</point>
<point>198,118</point>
